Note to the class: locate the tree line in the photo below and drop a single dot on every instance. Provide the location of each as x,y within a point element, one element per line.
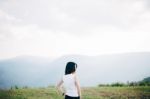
<point>144,82</point>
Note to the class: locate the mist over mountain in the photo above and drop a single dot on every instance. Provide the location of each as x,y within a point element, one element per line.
<point>92,70</point>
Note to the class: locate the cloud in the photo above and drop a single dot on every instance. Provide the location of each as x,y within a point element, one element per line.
<point>7,21</point>
<point>73,27</point>
<point>77,16</point>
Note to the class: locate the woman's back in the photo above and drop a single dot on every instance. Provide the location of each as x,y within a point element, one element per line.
<point>69,84</point>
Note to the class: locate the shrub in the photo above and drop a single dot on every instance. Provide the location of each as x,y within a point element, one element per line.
<point>16,87</point>
<point>103,85</point>
<point>117,84</point>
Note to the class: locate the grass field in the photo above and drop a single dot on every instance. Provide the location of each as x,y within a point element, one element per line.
<point>87,93</point>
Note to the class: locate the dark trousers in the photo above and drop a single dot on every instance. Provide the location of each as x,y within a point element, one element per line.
<point>69,97</point>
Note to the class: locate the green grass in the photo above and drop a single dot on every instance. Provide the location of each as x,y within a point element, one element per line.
<point>87,93</point>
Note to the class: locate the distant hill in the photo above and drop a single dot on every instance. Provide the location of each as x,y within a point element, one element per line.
<point>146,79</point>
<point>92,70</point>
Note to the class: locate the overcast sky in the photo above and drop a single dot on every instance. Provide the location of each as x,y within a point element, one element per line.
<point>52,28</point>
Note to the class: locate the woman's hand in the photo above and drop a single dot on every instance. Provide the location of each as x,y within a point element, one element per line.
<point>59,88</point>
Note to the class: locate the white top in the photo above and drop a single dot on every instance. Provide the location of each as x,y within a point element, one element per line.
<point>69,85</point>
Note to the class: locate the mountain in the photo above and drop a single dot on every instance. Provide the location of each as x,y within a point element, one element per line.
<point>147,79</point>
<point>92,70</point>
<point>23,71</point>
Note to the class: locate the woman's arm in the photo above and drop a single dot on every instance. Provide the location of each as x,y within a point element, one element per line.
<point>59,86</point>
<point>78,85</point>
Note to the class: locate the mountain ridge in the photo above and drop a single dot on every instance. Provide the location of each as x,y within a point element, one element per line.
<point>100,69</point>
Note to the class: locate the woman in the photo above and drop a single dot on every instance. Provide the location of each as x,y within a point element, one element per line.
<point>70,82</point>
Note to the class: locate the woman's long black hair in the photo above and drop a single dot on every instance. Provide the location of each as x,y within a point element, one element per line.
<point>70,68</point>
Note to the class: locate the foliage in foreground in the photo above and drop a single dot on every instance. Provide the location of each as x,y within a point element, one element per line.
<point>87,93</point>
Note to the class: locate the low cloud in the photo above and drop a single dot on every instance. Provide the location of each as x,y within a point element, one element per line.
<point>81,26</point>
<point>80,15</point>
